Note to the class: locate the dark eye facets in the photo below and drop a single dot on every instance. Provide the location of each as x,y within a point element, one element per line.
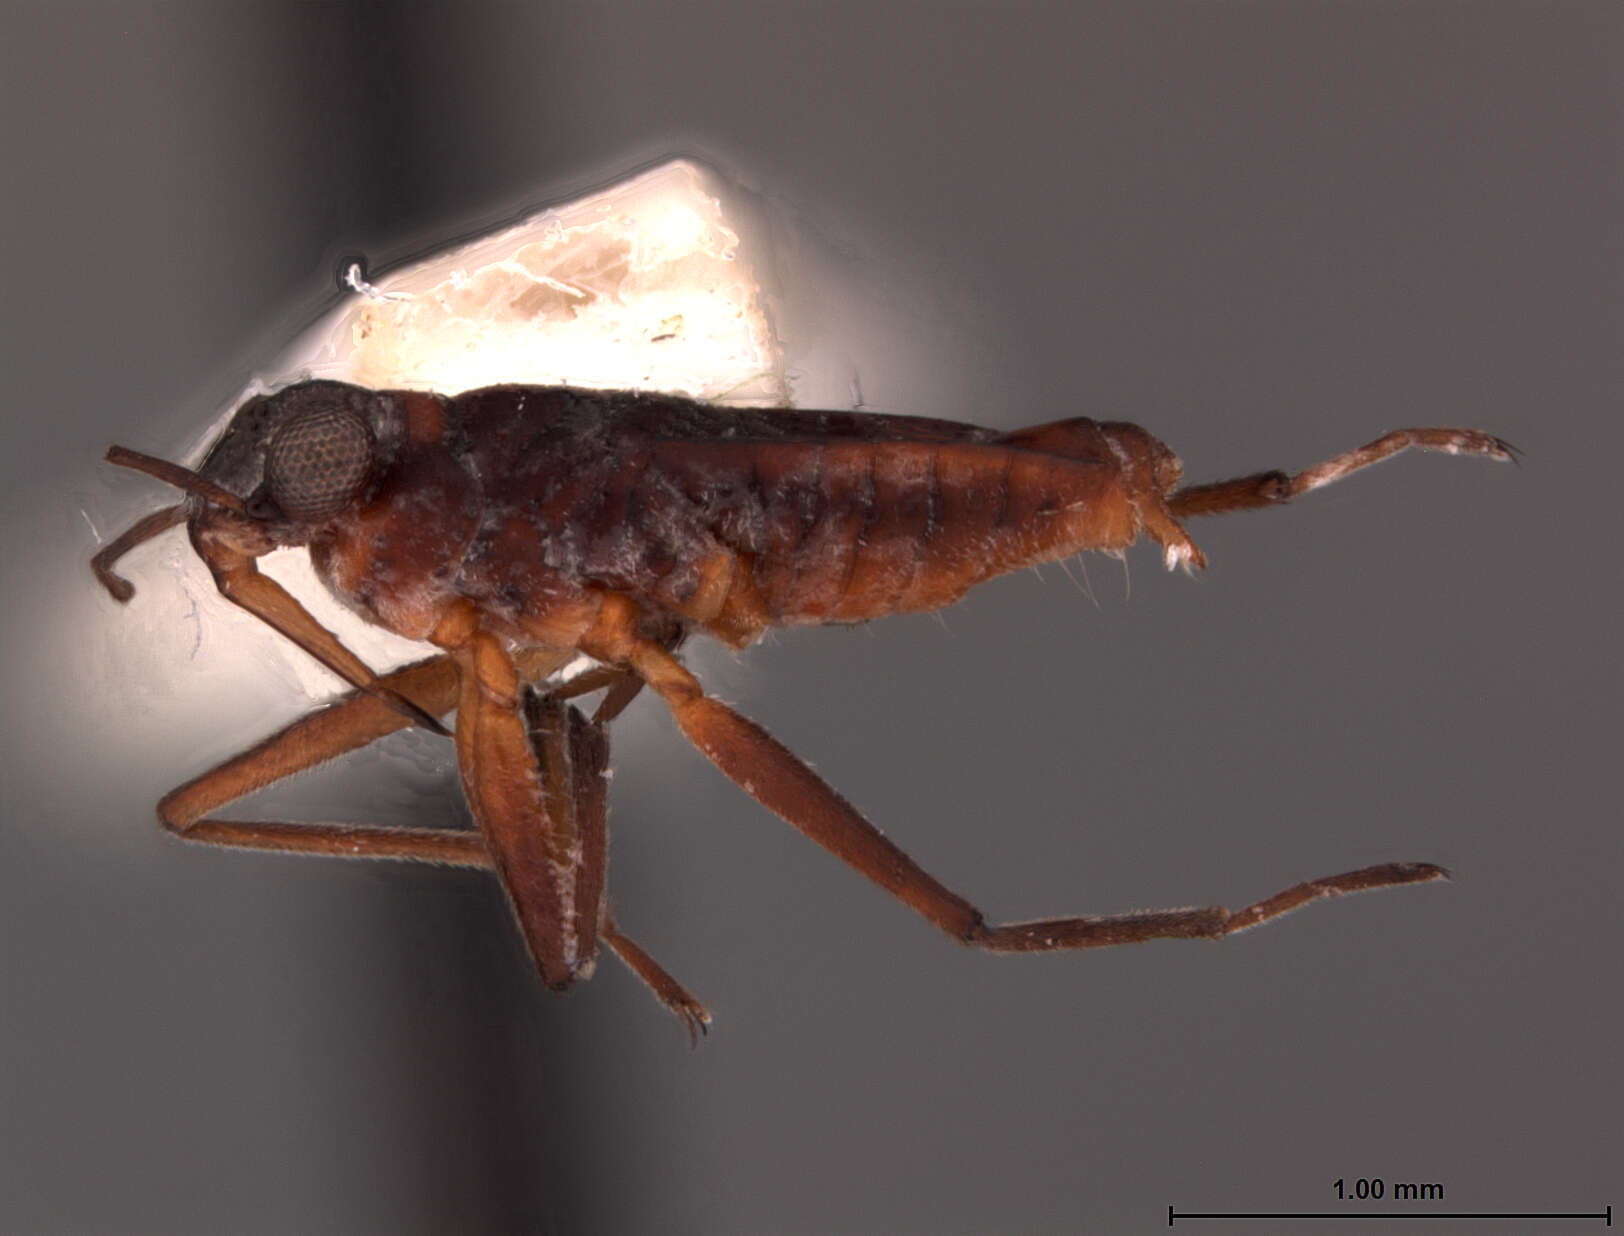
<point>318,462</point>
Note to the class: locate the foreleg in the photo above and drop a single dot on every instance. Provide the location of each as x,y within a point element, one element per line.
<point>359,719</point>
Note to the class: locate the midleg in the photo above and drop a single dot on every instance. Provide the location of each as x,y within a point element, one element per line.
<point>666,989</point>
<point>774,777</point>
<point>590,759</point>
<point>354,722</point>
<point>1260,489</point>
<point>620,686</point>
<point>517,751</point>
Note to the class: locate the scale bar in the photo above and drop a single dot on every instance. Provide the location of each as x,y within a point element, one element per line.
<point>1605,1215</point>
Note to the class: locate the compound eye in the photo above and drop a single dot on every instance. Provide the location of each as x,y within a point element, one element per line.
<point>318,462</point>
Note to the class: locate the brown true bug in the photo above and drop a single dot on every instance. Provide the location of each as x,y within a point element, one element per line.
<point>517,527</point>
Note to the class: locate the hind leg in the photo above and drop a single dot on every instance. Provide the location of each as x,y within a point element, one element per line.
<point>1246,493</point>
<point>774,777</point>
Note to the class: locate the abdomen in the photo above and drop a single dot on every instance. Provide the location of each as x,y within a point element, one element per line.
<point>849,531</point>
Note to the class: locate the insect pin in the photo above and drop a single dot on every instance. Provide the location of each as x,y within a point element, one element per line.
<point>519,527</point>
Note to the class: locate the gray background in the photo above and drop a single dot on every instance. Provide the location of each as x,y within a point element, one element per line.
<point>1267,232</point>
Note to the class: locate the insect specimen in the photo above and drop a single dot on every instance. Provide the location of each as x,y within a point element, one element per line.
<point>517,527</point>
